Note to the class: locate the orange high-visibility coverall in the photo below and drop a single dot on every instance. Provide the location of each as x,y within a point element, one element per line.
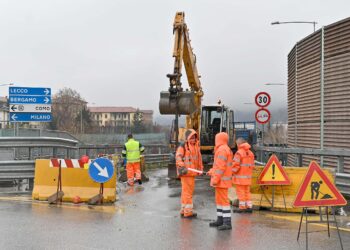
<point>243,164</point>
<point>188,155</point>
<point>221,177</point>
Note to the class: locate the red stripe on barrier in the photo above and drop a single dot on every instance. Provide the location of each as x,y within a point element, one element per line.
<point>55,163</point>
<point>81,164</point>
<point>69,163</point>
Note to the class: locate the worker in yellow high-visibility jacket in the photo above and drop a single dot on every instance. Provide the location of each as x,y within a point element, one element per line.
<point>132,151</point>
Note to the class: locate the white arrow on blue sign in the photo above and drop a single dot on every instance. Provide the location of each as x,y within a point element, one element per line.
<point>29,91</point>
<point>101,170</point>
<point>30,117</point>
<point>17,99</point>
<point>30,108</point>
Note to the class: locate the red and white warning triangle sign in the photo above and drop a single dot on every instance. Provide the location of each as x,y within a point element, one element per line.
<point>317,190</point>
<point>273,173</point>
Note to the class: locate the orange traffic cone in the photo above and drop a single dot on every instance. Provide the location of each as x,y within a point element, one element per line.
<point>76,200</point>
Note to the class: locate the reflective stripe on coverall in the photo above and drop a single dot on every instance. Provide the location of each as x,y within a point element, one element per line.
<point>189,156</point>
<point>221,175</point>
<point>243,165</point>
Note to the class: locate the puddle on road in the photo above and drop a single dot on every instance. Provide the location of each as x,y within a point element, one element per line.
<point>158,181</point>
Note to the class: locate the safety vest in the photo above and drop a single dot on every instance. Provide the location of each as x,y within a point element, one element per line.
<point>222,167</point>
<point>243,165</point>
<point>132,151</point>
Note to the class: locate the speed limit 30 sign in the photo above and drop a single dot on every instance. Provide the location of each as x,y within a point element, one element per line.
<point>262,99</point>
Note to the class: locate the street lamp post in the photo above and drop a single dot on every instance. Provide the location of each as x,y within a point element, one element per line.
<point>307,22</point>
<point>6,84</point>
<point>274,84</point>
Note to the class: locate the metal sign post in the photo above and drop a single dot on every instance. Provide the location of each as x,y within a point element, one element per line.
<point>262,115</point>
<point>57,197</point>
<point>327,221</point>
<point>101,170</point>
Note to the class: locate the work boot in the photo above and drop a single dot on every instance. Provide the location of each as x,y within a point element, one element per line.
<point>190,216</point>
<point>139,181</point>
<point>239,211</point>
<point>248,210</point>
<point>216,223</point>
<point>226,224</point>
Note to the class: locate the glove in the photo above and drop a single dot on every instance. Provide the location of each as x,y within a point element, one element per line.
<point>214,181</point>
<point>182,171</point>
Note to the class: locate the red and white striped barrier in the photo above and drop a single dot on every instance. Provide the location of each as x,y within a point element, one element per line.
<point>67,163</point>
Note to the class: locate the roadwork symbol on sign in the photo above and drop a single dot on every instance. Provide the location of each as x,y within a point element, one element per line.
<point>273,173</point>
<point>317,190</point>
<point>101,170</point>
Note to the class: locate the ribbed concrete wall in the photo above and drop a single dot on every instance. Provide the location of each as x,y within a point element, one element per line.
<point>308,63</point>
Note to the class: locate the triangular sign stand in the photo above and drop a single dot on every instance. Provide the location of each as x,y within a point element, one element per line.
<point>273,173</point>
<point>317,190</point>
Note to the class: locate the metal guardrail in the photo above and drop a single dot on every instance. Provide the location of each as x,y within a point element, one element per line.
<point>160,159</point>
<point>10,170</point>
<point>94,150</point>
<point>342,179</point>
<point>38,142</point>
<point>343,183</point>
<point>29,148</point>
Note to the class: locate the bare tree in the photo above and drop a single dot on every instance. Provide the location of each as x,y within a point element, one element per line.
<point>69,112</point>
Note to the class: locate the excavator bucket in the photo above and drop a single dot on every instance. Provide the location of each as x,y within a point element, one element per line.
<point>186,103</point>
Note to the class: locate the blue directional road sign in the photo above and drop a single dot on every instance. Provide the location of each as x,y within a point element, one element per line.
<point>101,170</point>
<point>29,91</point>
<point>30,104</point>
<point>29,99</point>
<point>30,117</point>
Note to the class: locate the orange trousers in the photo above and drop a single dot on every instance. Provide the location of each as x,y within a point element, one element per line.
<point>221,197</point>
<point>244,197</point>
<point>187,189</point>
<point>223,208</point>
<point>133,170</point>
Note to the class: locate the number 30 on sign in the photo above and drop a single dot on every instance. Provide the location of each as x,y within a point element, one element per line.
<point>262,99</point>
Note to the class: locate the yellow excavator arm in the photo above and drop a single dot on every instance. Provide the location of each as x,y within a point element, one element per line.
<point>176,100</point>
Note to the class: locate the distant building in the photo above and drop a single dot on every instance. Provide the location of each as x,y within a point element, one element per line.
<point>118,117</point>
<point>4,112</point>
<point>147,116</point>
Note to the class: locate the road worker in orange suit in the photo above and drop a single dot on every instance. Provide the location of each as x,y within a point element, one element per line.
<point>242,170</point>
<point>188,155</point>
<point>221,180</point>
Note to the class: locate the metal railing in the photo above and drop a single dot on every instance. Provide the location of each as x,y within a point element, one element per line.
<point>25,169</point>
<point>159,160</point>
<point>18,154</point>
<point>10,170</point>
<point>28,148</point>
<point>342,179</point>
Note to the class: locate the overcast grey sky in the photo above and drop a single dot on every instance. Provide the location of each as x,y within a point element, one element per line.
<point>117,53</point>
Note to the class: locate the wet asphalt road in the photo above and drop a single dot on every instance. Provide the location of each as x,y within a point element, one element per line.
<point>147,218</point>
